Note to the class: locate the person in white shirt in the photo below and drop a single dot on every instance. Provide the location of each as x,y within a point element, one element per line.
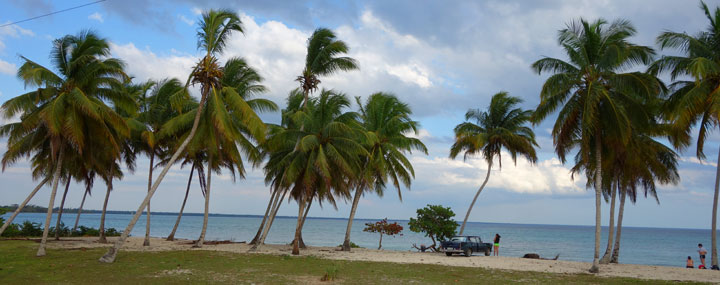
<point>702,251</point>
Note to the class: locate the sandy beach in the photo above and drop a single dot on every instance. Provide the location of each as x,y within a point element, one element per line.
<point>489,262</point>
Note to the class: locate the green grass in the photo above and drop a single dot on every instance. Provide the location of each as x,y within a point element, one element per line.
<point>18,265</point>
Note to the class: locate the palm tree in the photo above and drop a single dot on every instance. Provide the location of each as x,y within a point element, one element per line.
<point>323,59</point>
<point>67,112</point>
<point>599,101</point>
<point>199,167</point>
<point>229,126</point>
<point>501,126</point>
<point>626,167</point>
<point>387,122</point>
<point>319,160</point>
<point>695,101</point>
<point>214,31</point>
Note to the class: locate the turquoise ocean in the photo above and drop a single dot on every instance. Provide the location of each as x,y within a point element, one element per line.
<point>651,246</point>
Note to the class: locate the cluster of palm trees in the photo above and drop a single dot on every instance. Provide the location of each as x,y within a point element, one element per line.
<point>611,117</point>
<point>88,119</point>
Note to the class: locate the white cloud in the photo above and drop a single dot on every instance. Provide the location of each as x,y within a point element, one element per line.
<point>97,17</point>
<point>15,31</point>
<point>196,11</point>
<point>693,159</point>
<point>7,68</point>
<point>546,177</point>
<point>145,64</point>
<point>186,20</point>
<point>422,134</point>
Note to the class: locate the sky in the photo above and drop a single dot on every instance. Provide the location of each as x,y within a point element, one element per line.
<point>441,57</point>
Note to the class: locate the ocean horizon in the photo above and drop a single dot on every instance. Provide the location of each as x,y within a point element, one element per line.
<point>639,245</point>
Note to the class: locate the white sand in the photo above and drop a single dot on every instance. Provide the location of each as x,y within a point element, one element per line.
<point>503,263</point>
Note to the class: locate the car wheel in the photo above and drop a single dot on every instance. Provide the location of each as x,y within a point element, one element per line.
<point>468,252</point>
<point>487,252</point>
<point>448,253</point>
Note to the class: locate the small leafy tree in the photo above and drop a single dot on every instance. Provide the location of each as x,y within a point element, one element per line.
<point>436,222</point>
<point>384,228</point>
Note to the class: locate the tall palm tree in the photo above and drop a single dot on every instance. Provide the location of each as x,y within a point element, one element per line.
<point>319,160</point>
<point>229,126</point>
<point>215,29</point>
<point>501,126</point>
<point>388,125</point>
<point>323,59</point>
<point>596,99</point>
<point>67,113</point>
<point>695,101</point>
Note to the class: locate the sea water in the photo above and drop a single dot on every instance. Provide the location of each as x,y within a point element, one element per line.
<point>651,246</point>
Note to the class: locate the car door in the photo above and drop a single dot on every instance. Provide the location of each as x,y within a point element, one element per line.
<point>475,243</point>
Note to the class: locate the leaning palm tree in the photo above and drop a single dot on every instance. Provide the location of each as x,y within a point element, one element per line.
<point>695,101</point>
<point>388,125</point>
<point>215,29</point>
<point>319,160</point>
<point>595,98</point>
<point>501,126</point>
<point>67,113</point>
<point>228,127</point>
<point>323,59</point>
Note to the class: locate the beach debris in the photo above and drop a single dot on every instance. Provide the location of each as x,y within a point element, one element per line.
<point>537,256</point>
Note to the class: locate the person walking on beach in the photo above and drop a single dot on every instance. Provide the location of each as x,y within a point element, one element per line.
<point>496,245</point>
<point>690,263</point>
<point>702,251</point>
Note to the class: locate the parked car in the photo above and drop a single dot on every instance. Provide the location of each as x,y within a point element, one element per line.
<point>465,245</point>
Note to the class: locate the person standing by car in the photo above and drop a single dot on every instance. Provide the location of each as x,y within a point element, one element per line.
<point>496,245</point>
<point>702,251</point>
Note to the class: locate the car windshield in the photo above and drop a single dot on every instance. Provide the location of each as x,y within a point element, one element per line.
<point>460,239</point>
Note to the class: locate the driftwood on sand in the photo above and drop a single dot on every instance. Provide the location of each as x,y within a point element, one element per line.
<point>537,256</point>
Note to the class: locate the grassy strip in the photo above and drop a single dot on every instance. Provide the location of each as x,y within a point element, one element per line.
<point>18,265</point>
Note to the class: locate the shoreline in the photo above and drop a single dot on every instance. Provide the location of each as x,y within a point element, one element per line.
<point>646,272</point>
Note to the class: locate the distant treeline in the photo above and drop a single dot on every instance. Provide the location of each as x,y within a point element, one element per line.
<point>40,209</point>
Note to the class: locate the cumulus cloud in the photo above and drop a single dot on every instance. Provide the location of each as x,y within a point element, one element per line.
<point>97,17</point>
<point>695,160</point>
<point>185,20</point>
<point>145,64</point>
<point>546,177</point>
<point>7,68</point>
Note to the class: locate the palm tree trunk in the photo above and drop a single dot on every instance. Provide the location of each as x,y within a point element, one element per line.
<point>616,248</point>
<point>150,173</point>
<point>296,245</point>
<point>273,214</point>
<point>598,189</point>
<point>356,201</point>
<point>171,237</point>
<point>487,177</point>
<point>608,250</point>
<point>201,240</point>
<point>273,198</point>
<point>111,254</point>
<point>48,217</point>
<point>77,218</point>
<point>102,216</point>
<point>307,209</point>
<point>19,208</point>
<point>60,211</point>
<point>380,244</point>
<point>713,235</point>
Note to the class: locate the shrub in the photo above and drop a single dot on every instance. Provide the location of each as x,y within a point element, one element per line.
<point>436,222</point>
<point>352,245</point>
<point>30,229</point>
